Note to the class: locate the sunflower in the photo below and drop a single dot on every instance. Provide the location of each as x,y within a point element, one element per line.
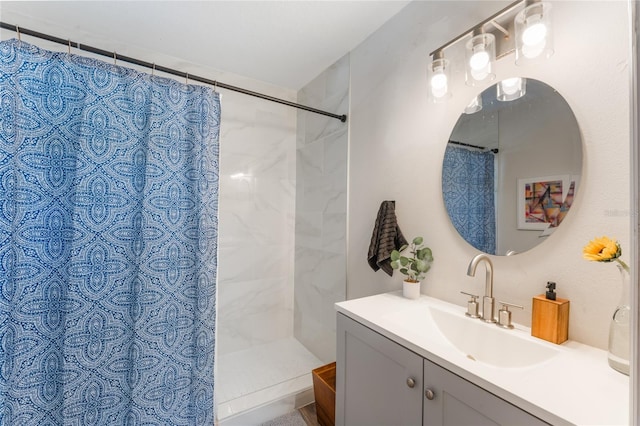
<point>602,249</point>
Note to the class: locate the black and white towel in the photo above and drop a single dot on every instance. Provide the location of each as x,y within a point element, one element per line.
<point>386,238</point>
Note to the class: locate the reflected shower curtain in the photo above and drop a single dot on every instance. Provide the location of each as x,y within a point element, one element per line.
<point>108,225</point>
<point>468,189</point>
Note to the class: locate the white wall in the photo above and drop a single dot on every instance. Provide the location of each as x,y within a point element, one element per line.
<point>397,142</point>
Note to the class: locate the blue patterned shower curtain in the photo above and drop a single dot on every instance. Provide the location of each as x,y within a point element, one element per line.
<point>108,240</point>
<point>468,189</point>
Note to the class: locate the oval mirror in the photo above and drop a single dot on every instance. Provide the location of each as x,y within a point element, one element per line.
<point>512,166</point>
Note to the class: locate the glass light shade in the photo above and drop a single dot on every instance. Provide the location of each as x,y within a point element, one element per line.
<point>534,35</point>
<point>480,54</point>
<point>474,106</point>
<point>439,76</point>
<point>511,89</point>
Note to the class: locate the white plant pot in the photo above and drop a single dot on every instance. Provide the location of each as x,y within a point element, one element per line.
<point>411,290</point>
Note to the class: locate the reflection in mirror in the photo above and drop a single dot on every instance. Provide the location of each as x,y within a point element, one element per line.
<point>512,168</point>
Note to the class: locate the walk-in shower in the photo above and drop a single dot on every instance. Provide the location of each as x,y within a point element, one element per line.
<point>282,247</point>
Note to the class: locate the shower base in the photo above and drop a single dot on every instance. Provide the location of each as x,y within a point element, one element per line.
<point>263,382</point>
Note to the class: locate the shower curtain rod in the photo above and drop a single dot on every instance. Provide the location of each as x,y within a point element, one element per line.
<point>494,150</point>
<point>117,57</point>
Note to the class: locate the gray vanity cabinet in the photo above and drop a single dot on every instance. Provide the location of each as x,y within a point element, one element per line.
<point>381,383</point>
<point>378,382</point>
<point>451,400</point>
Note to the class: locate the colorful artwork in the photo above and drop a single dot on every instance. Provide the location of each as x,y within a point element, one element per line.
<point>544,202</point>
<point>568,200</point>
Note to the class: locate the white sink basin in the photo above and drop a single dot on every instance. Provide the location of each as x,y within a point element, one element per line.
<point>477,340</point>
<point>490,344</point>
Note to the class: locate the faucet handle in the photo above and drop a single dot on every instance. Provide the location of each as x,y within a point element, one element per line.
<point>472,305</point>
<point>504,314</point>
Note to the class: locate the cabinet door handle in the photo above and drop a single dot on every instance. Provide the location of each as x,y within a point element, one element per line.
<point>429,394</point>
<point>410,382</point>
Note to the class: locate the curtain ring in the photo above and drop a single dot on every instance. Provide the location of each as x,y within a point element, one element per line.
<point>69,46</point>
<point>186,78</point>
<point>18,31</point>
<point>153,69</point>
<point>114,58</point>
<point>215,86</point>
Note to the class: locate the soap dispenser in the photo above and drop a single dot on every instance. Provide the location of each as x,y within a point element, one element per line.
<point>551,291</point>
<point>550,316</point>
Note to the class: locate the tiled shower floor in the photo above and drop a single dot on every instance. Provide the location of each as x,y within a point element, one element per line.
<point>257,376</point>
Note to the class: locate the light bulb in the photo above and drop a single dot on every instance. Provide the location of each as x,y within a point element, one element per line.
<point>480,52</point>
<point>511,85</point>
<point>438,75</point>
<point>511,89</point>
<point>535,33</point>
<point>479,74</point>
<point>479,60</point>
<point>480,65</point>
<point>534,39</point>
<point>439,85</point>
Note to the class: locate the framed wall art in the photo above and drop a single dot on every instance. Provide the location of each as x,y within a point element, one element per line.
<point>544,201</point>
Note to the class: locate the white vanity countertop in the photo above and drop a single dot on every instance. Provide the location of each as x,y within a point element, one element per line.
<point>576,386</point>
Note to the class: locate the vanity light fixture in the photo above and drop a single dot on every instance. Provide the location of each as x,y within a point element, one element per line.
<point>511,89</point>
<point>480,55</point>
<point>439,76</point>
<point>491,39</point>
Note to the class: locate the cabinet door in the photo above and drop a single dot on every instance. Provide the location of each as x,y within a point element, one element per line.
<point>457,402</point>
<point>378,382</point>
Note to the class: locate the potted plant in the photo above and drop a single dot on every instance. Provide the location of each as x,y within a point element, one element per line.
<point>414,267</point>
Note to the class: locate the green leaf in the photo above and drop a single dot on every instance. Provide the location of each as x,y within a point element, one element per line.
<point>421,266</point>
<point>404,271</point>
<point>395,264</point>
<point>403,247</point>
<point>404,261</point>
<point>418,240</point>
<point>395,255</point>
<point>425,254</point>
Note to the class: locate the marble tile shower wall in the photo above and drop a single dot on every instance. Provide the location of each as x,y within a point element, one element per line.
<point>321,211</point>
<point>257,210</point>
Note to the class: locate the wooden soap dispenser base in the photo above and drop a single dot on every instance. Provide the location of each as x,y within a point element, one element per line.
<point>550,316</point>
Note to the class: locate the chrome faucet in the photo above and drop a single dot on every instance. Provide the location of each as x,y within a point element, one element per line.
<point>488,302</point>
